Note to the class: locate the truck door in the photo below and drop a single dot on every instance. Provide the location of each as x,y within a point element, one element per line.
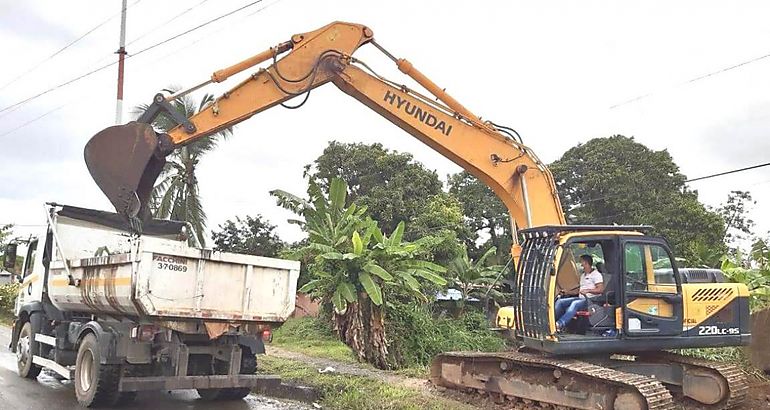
<point>652,290</point>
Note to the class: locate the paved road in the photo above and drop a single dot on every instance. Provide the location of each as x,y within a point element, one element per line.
<point>47,393</point>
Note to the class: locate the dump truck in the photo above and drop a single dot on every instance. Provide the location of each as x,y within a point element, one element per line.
<point>119,313</point>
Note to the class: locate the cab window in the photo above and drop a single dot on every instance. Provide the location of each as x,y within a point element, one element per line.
<point>648,268</point>
<point>29,261</point>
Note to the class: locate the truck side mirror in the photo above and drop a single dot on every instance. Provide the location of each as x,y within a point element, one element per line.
<point>10,256</point>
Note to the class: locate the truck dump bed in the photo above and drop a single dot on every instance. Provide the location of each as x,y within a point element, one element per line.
<point>158,276</point>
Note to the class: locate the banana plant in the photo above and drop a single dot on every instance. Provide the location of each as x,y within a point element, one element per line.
<point>351,253</point>
<point>475,278</point>
<point>354,265</point>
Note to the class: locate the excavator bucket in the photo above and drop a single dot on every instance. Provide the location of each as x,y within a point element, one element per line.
<point>124,161</point>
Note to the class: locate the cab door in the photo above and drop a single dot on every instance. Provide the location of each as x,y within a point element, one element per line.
<point>652,292</point>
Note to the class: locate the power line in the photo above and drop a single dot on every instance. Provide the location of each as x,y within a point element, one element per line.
<point>729,172</point>
<point>167,55</point>
<point>94,71</point>
<point>692,80</point>
<point>164,24</point>
<point>33,120</point>
<point>70,44</point>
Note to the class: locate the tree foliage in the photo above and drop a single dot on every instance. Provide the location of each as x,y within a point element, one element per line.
<point>754,271</point>
<point>253,236</point>
<point>392,185</point>
<point>617,180</point>
<point>354,266</point>
<point>176,195</point>
<point>735,213</point>
<point>485,214</point>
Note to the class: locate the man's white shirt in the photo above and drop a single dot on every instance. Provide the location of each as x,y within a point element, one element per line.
<point>589,281</point>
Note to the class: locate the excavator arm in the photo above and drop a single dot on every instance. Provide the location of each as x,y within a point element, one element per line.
<point>126,160</point>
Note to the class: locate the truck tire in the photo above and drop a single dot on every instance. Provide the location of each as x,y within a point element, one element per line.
<point>96,384</point>
<point>26,348</point>
<point>248,366</point>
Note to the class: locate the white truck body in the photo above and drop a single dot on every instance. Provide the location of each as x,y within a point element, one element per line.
<point>164,278</point>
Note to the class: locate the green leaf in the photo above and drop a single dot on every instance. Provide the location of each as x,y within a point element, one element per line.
<point>338,193</point>
<point>375,269</point>
<point>410,281</point>
<point>371,288</point>
<point>430,276</point>
<point>348,291</point>
<point>377,233</point>
<point>395,237</point>
<point>334,256</point>
<point>426,265</point>
<point>350,256</point>
<point>340,304</point>
<point>358,245</point>
<point>484,257</point>
<point>309,286</point>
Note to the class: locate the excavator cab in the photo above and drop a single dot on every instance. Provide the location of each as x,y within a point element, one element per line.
<point>646,305</point>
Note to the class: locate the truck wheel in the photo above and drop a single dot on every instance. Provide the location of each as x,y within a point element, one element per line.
<point>96,384</point>
<point>25,349</point>
<point>248,366</point>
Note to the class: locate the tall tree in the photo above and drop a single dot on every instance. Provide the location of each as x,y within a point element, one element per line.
<point>735,212</point>
<point>392,185</point>
<point>618,180</point>
<point>253,236</point>
<point>442,226</point>
<point>176,195</point>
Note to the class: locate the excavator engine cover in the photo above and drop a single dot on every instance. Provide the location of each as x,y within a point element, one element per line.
<point>125,161</point>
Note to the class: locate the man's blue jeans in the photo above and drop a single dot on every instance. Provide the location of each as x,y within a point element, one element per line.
<point>566,308</point>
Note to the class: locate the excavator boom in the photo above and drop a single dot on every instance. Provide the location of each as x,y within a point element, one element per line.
<point>126,160</point>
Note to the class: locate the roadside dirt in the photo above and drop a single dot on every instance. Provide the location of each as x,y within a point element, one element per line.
<point>355,370</point>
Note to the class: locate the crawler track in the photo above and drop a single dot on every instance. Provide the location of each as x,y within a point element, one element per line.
<point>549,382</point>
<point>734,377</point>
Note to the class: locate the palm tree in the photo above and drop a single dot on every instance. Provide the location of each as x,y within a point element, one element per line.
<point>176,195</point>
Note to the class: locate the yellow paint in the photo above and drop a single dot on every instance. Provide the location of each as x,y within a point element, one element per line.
<point>698,309</point>
<point>566,237</point>
<point>505,318</point>
<point>29,279</point>
<point>619,318</point>
<point>652,306</point>
<point>123,281</point>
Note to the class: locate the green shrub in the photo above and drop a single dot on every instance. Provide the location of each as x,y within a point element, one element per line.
<point>416,336</point>
<point>8,295</point>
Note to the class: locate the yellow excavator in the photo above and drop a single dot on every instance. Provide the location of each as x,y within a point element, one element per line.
<point>613,354</point>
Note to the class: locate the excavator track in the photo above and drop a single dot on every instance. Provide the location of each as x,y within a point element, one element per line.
<point>732,376</point>
<point>538,380</point>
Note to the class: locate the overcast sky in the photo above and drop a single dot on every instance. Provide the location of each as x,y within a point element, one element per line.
<point>551,70</point>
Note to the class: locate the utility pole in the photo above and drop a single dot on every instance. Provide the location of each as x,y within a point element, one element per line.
<point>121,59</point>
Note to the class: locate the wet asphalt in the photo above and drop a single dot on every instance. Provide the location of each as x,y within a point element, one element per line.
<point>47,393</point>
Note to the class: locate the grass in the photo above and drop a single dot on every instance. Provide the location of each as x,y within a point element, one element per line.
<point>312,337</point>
<point>343,391</point>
